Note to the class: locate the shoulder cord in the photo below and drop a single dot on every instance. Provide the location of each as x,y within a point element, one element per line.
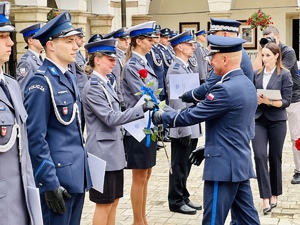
<point>106,94</point>
<point>154,58</point>
<point>58,117</point>
<point>14,134</point>
<point>165,60</point>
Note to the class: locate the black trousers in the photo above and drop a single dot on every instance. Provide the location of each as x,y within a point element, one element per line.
<point>181,166</point>
<point>270,133</point>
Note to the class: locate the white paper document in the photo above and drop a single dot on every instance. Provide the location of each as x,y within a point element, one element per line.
<point>97,170</point>
<point>270,94</point>
<point>180,83</point>
<point>135,128</point>
<point>35,204</point>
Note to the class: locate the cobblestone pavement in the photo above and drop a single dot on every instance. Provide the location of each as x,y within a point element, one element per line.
<point>286,213</point>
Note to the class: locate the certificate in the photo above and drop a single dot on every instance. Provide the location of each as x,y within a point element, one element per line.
<point>180,83</point>
<point>135,128</point>
<point>97,170</point>
<point>35,205</point>
<point>270,94</point>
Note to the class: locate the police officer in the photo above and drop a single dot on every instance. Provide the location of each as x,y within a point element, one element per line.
<point>228,110</point>
<point>15,165</point>
<point>32,59</point>
<point>78,66</point>
<point>123,43</point>
<point>104,133</point>
<point>226,28</point>
<point>166,54</point>
<point>201,54</point>
<point>183,139</point>
<point>52,101</point>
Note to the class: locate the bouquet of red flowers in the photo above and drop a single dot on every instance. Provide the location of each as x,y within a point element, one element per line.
<point>259,19</point>
<point>52,14</point>
<point>297,144</point>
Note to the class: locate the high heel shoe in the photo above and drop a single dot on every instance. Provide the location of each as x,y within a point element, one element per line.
<point>267,210</point>
<point>273,205</point>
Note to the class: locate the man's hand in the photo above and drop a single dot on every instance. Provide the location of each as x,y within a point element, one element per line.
<point>197,156</point>
<point>185,141</point>
<point>123,106</point>
<point>55,199</point>
<point>157,117</point>
<point>185,97</point>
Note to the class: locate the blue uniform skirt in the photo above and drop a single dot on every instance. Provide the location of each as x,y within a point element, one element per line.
<point>139,156</point>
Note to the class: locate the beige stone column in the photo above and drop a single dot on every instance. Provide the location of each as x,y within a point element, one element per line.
<point>137,19</point>
<point>24,17</point>
<point>100,24</point>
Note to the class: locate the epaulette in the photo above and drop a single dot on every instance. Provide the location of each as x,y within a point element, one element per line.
<point>9,76</point>
<point>132,61</point>
<point>176,66</point>
<point>40,72</point>
<point>24,57</point>
<point>94,81</point>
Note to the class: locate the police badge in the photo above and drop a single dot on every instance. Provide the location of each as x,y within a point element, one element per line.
<point>3,131</point>
<point>23,71</point>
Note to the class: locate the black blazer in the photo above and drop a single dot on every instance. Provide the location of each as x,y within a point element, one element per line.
<point>282,82</point>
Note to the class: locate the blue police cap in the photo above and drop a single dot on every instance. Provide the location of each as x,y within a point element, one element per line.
<point>144,29</point>
<point>120,33</point>
<point>105,46</point>
<point>165,32</point>
<point>184,37</point>
<point>60,26</point>
<point>203,31</point>
<point>224,44</point>
<point>224,25</point>
<point>95,37</point>
<point>157,29</point>
<point>173,33</point>
<point>80,30</point>
<point>31,30</point>
<point>5,25</point>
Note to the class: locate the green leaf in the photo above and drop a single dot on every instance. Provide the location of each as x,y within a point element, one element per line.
<point>157,92</point>
<point>138,93</point>
<point>150,84</point>
<point>162,104</point>
<point>147,131</point>
<point>153,137</point>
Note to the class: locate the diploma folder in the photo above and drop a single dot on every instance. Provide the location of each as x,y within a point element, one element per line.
<point>270,94</point>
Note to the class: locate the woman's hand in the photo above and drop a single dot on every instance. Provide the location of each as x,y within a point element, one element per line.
<point>263,100</point>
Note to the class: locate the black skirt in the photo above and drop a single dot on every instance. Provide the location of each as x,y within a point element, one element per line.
<point>113,188</point>
<point>138,155</point>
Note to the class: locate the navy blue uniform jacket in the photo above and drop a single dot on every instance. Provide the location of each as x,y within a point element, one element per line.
<point>228,110</point>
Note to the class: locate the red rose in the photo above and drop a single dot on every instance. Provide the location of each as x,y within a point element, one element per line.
<point>143,73</point>
<point>297,144</point>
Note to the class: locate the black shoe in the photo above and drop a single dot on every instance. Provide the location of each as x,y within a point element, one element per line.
<point>159,145</point>
<point>273,205</point>
<point>185,209</point>
<point>194,206</point>
<point>266,211</point>
<point>296,178</point>
<point>167,139</point>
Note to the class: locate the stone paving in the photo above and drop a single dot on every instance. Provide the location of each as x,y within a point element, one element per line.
<point>286,213</point>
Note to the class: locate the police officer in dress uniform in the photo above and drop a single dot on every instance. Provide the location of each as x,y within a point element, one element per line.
<point>78,66</point>
<point>201,54</point>
<point>228,110</point>
<point>122,45</point>
<point>226,28</point>
<point>52,101</point>
<point>166,54</point>
<point>16,175</point>
<point>184,139</point>
<point>32,59</point>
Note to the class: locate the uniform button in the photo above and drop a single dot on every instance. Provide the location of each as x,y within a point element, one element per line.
<point>207,155</point>
<point>41,184</point>
<point>58,164</point>
<point>137,114</point>
<point>65,102</point>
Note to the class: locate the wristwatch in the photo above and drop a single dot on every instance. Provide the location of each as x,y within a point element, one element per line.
<point>271,103</point>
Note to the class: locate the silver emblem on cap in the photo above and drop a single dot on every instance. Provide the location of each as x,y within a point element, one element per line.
<point>68,16</point>
<point>7,9</point>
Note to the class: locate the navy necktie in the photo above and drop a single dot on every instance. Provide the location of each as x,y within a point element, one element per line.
<point>5,89</point>
<point>69,77</point>
<point>109,85</point>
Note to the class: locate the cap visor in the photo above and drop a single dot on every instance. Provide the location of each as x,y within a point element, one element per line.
<point>110,54</point>
<point>73,32</point>
<point>7,28</point>
<point>212,52</point>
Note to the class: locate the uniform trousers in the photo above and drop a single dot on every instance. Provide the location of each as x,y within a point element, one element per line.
<point>71,216</point>
<point>220,197</point>
<point>270,133</point>
<point>181,166</point>
<point>294,127</point>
